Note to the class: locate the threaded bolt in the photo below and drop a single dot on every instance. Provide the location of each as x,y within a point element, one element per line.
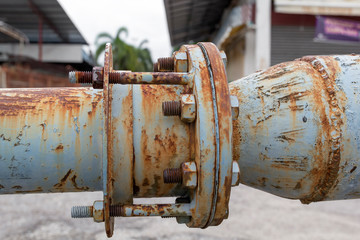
<point>80,77</point>
<point>81,211</point>
<point>87,211</point>
<point>171,108</point>
<point>156,67</point>
<point>172,175</point>
<point>116,211</point>
<point>166,64</point>
<point>168,216</point>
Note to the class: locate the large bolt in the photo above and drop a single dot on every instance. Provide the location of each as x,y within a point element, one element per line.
<point>172,175</point>
<point>165,64</point>
<point>91,211</point>
<point>156,67</point>
<point>82,211</point>
<point>171,108</point>
<point>186,174</point>
<point>80,77</point>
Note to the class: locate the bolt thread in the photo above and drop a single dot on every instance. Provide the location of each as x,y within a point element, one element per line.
<point>81,211</point>
<point>80,77</point>
<point>156,67</point>
<point>168,216</point>
<point>172,175</point>
<point>171,108</point>
<point>166,64</point>
<point>116,211</point>
<point>114,77</point>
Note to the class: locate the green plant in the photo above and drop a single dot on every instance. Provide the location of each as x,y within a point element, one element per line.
<point>125,56</point>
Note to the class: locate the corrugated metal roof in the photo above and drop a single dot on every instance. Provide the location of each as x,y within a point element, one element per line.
<point>24,15</point>
<point>193,20</point>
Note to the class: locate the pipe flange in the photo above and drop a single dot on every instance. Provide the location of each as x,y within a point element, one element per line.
<point>213,131</point>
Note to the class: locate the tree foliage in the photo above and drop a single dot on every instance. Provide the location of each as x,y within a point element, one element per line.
<point>125,56</point>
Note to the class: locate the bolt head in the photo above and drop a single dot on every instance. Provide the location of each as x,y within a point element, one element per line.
<point>98,211</point>
<point>181,61</point>
<point>184,219</point>
<point>235,178</point>
<point>235,109</point>
<point>189,174</point>
<point>188,108</point>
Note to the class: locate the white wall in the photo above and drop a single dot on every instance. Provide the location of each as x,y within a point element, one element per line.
<point>50,52</point>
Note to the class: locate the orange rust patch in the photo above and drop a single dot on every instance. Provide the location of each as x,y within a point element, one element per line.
<point>59,148</point>
<point>63,180</point>
<point>330,128</point>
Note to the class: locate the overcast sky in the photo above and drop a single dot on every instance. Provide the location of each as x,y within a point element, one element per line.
<point>144,19</point>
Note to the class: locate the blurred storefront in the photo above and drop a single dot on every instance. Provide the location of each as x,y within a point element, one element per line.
<point>258,33</point>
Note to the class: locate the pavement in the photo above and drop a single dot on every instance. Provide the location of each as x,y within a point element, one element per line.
<point>253,215</point>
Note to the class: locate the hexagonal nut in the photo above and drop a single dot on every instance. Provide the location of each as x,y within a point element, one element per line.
<point>235,178</point>
<point>181,62</point>
<point>98,211</point>
<point>97,77</point>
<point>188,108</point>
<point>223,57</point>
<point>235,107</point>
<point>189,174</point>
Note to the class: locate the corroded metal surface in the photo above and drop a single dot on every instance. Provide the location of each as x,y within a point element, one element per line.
<point>156,210</point>
<point>108,158</point>
<point>160,142</point>
<point>204,139</point>
<point>212,145</point>
<point>223,107</point>
<point>122,142</point>
<point>50,140</point>
<point>297,132</point>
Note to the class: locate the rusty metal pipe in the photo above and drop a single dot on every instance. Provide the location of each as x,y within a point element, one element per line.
<point>291,130</point>
<point>127,77</point>
<point>50,140</point>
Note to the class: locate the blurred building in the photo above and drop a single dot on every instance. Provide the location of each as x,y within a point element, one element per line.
<point>257,33</point>
<point>39,44</point>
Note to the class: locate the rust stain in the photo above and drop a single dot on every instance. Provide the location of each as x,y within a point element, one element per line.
<point>63,180</point>
<point>37,190</point>
<point>331,128</point>
<point>16,187</point>
<point>291,163</point>
<point>73,181</point>
<point>59,148</point>
<point>2,136</point>
<point>70,177</point>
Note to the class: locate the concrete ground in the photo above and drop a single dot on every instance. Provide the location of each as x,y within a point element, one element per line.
<point>253,215</point>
